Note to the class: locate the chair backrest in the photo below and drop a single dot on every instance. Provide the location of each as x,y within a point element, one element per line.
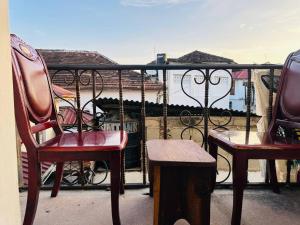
<point>286,111</point>
<point>33,95</point>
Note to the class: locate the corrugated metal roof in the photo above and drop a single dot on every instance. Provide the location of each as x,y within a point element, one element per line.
<point>156,109</point>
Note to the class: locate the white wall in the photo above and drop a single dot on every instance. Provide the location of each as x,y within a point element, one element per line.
<point>197,91</point>
<point>238,99</point>
<point>135,95</point>
<point>9,195</point>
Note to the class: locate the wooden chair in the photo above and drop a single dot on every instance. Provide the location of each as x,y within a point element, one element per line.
<point>275,144</point>
<point>33,99</point>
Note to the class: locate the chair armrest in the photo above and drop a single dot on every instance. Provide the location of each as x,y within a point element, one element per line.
<point>221,140</point>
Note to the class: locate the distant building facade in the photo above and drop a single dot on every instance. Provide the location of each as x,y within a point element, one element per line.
<point>131,80</point>
<point>181,84</point>
<point>238,94</point>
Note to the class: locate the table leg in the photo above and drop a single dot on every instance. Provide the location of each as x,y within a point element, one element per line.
<point>197,195</point>
<point>150,175</point>
<point>156,193</point>
<point>213,150</point>
<point>273,175</point>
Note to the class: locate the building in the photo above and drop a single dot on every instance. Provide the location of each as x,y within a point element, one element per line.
<point>107,85</point>
<point>181,83</point>
<point>238,93</point>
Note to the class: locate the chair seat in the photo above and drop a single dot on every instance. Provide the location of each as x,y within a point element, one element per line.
<point>69,146</point>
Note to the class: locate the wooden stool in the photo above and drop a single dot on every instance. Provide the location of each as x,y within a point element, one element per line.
<point>182,177</point>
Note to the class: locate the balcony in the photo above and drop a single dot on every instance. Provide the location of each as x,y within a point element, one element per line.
<point>158,120</point>
<point>88,108</point>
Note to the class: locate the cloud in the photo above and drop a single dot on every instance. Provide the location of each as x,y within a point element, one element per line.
<point>242,25</point>
<point>151,3</point>
<point>295,30</point>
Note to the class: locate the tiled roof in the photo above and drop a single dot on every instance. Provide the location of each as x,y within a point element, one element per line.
<point>242,74</point>
<point>63,93</point>
<point>130,79</point>
<point>67,117</point>
<point>197,57</point>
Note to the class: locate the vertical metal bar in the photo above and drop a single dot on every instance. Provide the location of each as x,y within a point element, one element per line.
<point>270,111</point>
<point>248,104</point>
<point>269,116</point>
<point>121,118</point>
<point>206,109</point>
<point>143,126</point>
<point>94,99</point>
<point>121,105</point>
<point>79,122</point>
<point>165,107</point>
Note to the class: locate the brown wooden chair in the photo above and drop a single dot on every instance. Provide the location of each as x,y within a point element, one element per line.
<point>33,99</point>
<point>277,143</point>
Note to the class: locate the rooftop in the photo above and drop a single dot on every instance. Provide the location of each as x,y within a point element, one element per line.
<point>131,79</point>
<point>71,57</point>
<point>198,57</point>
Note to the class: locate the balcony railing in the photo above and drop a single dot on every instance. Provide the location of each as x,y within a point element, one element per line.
<point>81,76</point>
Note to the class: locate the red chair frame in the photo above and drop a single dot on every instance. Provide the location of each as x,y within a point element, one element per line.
<point>33,99</point>
<point>286,113</point>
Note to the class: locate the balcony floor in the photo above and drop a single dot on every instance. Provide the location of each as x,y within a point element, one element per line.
<point>92,207</point>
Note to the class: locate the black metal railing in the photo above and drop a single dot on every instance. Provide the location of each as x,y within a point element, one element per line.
<point>93,78</point>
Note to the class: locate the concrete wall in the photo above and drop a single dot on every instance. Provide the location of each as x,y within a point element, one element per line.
<point>154,127</point>
<point>9,195</point>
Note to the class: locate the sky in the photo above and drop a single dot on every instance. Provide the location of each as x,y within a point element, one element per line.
<point>133,31</point>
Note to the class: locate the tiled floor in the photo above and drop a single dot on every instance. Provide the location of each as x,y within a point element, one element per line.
<point>261,207</point>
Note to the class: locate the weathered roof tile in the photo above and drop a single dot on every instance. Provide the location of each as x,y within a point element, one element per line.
<point>130,79</point>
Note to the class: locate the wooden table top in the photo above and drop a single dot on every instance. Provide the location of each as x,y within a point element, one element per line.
<point>178,153</point>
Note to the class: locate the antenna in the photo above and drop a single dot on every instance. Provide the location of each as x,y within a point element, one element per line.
<point>154,51</point>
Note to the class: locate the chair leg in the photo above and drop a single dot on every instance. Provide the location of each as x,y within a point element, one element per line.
<point>122,180</point>
<point>115,186</point>
<point>58,177</point>
<point>34,184</point>
<point>288,172</point>
<point>151,178</point>
<point>213,150</point>
<point>240,167</point>
<point>273,176</point>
